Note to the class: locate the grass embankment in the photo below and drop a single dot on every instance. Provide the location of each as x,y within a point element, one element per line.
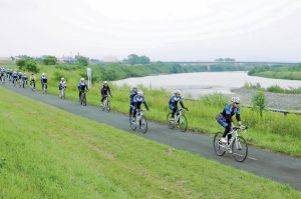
<point>273,131</point>
<point>49,153</point>
<point>292,73</point>
<point>273,89</point>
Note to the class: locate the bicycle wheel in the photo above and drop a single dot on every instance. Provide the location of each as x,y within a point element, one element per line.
<point>170,121</point>
<point>183,123</point>
<point>85,100</point>
<point>143,125</point>
<point>108,107</point>
<point>133,125</point>
<point>240,149</point>
<point>81,99</point>
<point>219,149</point>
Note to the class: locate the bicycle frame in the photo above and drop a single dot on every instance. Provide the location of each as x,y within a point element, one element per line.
<point>178,115</point>
<point>234,133</point>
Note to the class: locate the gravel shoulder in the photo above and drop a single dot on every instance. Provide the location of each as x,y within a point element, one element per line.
<point>288,102</point>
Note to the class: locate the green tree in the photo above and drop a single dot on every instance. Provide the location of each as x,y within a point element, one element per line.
<point>28,65</point>
<point>83,61</point>
<point>135,59</point>
<point>259,102</point>
<point>50,60</point>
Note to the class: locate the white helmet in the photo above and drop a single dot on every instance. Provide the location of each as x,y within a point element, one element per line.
<point>82,79</point>
<point>235,100</point>
<point>105,82</point>
<point>43,74</point>
<point>177,92</point>
<point>140,93</point>
<point>62,78</point>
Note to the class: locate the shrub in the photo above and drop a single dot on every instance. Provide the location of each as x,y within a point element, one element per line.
<point>259,102</point>
<point>215,99</point>
<point>28,65</point>
<point>50,60</point>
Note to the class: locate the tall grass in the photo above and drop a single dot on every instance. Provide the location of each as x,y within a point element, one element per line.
<point>272,131</point>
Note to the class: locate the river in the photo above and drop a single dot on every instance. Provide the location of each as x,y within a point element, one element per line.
<point>201,83</point>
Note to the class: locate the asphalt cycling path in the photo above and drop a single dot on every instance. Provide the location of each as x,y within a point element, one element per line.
<point>278,167</point>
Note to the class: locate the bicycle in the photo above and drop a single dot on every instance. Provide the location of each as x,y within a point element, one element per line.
<point>237,145</point>
<point>24,84</point>
<point>62,93</point>
<point>180,121</point>
<point>83,98</point>
<point>32,86</point>
<point>3,80</point>
<point>20,82</point>
<point>14,82</point>
<point>105,105</point>
<point>44,88</point>
<point>139,122</point>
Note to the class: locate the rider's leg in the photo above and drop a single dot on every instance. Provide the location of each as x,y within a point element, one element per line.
<point>79,95</point>
<point>102,98</point>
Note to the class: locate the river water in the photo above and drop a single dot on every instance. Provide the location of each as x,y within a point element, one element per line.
<point>201,83</point>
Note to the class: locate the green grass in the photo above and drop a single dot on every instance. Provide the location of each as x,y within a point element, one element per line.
<point>273,89</point>
<point>49,153</point>
<point>273,131</point>
<point>284,72</point>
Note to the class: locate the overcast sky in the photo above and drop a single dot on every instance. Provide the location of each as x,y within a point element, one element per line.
<point>178,30</point>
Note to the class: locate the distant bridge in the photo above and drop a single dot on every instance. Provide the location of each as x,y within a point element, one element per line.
<point>235,62</point>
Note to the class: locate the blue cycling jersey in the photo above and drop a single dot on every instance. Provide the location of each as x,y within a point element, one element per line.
<point>82,86</point>
<point>44,79</point>
<point>173,101</point>
<point>228,112</point>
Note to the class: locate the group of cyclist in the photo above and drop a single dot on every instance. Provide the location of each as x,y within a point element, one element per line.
<point>137,98</point>
<point>17,77</point>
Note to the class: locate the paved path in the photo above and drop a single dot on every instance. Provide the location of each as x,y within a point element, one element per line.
<point>278,167</point>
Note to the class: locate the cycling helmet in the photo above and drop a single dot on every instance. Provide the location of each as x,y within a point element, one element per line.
<point>43,74</point>
<point>140,93</point>
<point>177,92</point>
<point>24,73</point>
<point>82,79</point>
<point>62,79</point>
<point>105,82</point>
<point>235,100</point>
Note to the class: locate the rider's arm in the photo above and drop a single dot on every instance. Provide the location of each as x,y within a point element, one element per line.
<point>182,105</point>
<point>146,106</point>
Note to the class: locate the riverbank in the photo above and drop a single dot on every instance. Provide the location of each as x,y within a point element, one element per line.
<point>291,73</point>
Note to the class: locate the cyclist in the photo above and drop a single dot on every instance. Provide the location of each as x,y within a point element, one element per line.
<point>225,117</point>
<point>20,75</point>
<point>133,93</point>
<point>105,91</point>
<point>44,81</point>
<point>15,77</point>
<point>2,74</point>
<point>82,87</point>
<point>62,85</point>
<point>24,80</point>
<point>137,101</point>
<point>173,103</point>
<point>32,80</point>
<point>9,74</point>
